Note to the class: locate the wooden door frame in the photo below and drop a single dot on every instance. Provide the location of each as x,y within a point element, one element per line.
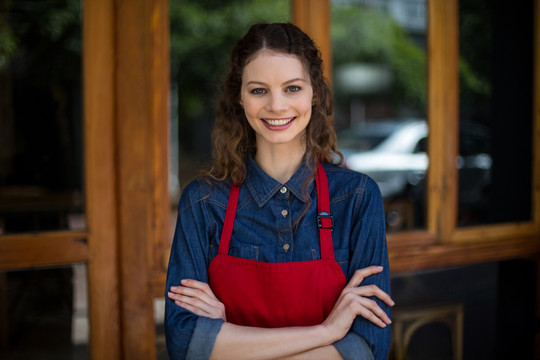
<point>126,112</point>
<point>126,87</point>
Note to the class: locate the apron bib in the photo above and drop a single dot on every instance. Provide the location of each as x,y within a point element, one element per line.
<point>270,295</point>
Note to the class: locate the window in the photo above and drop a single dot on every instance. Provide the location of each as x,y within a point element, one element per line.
<point>40,109</point>
<point>496,112</point>
<point>379,72</point>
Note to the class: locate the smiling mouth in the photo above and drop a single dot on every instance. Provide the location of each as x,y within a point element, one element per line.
<point>279,122</point>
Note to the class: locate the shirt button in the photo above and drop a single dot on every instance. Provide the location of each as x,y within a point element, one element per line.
<point>286,247</point>
<point>284,213</point>
<point>283,190</point>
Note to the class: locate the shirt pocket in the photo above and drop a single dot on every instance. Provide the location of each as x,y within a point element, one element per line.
<point>245,252</point>
<point>342,258</point>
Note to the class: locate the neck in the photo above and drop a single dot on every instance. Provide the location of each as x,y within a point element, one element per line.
<point>280,162</point>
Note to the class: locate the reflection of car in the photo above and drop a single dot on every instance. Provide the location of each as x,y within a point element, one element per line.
<point>394,154</point>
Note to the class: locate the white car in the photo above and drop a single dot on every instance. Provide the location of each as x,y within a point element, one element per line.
<point>392,153</point>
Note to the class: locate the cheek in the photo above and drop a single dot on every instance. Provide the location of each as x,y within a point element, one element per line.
<point>307,106</point>
<point>249,109</point>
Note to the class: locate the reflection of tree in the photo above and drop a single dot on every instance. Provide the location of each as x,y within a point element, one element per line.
<point>363,35</point>
<point>203,33</point>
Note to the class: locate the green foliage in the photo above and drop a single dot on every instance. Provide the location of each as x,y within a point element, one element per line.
<point>363,35</point>
<point>45,35</point>
<point>203,34</point>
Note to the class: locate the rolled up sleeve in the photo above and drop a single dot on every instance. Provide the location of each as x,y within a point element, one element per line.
<point>188,335</point>
<point>203,338</point>
<point>368,239</point>
<point>352,347</point>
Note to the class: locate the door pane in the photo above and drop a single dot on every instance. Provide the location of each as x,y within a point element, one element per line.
<point>496,111</point>
<point>203,33</point>
<point>40,116</point>
<point>44,314</point>
<point>379,71</point>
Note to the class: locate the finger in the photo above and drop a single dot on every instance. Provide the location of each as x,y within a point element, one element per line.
<point>376,310</point>
<point>370,316</point>
<point>198,294</point>
<point>197,311</point>
<point>374,290</point>
<point>198,285</point>
<point>360,274</point>
<point>194,303</point>
<point>365,307</point>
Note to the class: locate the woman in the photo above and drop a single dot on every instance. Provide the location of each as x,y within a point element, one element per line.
<point>267,263</point>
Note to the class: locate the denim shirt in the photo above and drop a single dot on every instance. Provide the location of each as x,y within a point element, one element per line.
<point>267,229</point>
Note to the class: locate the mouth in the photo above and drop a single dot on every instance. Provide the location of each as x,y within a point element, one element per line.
<point>279,122</point>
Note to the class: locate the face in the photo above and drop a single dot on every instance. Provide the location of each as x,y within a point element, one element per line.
<point>277,96</point>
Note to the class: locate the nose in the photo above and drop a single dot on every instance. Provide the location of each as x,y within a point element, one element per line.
<point>277,104</point>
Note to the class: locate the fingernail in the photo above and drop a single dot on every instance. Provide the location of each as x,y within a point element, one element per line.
<point>174,288</point>
<point>183,281</point>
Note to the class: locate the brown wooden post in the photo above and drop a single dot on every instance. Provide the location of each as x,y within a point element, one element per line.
<point>313,17</point>
<point>443,53</point>
<point>100,179</point>
<point>141,126</point>
<point>139,138</point>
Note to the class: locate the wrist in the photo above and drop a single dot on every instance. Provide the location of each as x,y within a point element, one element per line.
<point>327,336</point>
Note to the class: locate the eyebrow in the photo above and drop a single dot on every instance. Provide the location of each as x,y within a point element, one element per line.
<point>286,82</point>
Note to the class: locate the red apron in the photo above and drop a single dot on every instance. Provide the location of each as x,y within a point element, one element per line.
<point>270,295</point>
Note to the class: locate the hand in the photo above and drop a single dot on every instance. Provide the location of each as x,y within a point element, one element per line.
<point>354,300</point>
<point>197,297</point>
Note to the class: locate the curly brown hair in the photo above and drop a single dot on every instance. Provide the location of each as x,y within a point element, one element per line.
<point>232,136</point>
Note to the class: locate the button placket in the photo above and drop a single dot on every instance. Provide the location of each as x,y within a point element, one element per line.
<point>284,225</point>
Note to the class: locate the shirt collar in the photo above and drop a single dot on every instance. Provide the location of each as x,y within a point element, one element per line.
<point>262,187</point>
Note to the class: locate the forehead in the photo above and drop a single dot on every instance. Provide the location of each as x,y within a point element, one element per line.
<point>275,65</point>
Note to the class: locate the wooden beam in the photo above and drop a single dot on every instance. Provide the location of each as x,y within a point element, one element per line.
<point>43,249</point>
<point>160,246</point>
<point>413,258</point>
<point>141,126</point>
<point>313,17</point>
<point>100,178</point>
<point>443,117</point>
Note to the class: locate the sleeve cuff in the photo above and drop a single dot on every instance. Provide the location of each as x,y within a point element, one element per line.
<point>353,347</point>
<point>203,338</point>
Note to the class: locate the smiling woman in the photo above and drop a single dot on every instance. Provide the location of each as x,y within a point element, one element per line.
<point>258,230</point>
<point>277,97</point>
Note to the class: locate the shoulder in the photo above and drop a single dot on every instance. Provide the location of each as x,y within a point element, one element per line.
<point>345,180</point>
<point>204,190</point>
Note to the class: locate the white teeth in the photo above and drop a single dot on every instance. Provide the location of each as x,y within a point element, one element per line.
<point>279,122</point>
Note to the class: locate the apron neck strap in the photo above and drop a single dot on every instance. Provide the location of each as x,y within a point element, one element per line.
<point>325,222</point>
<point>324,219</point>
<point>226,233</point>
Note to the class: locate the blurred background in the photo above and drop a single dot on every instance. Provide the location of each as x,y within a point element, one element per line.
<point>106,110</point>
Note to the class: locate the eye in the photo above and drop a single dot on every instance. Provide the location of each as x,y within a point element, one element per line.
<point>293,88</point>
<point>258,91</point>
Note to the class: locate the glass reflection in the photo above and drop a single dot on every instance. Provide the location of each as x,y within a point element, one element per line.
<point>379,69</point>
<point>496,119</point>
<point>203,33</point>
<point>40,116</point>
